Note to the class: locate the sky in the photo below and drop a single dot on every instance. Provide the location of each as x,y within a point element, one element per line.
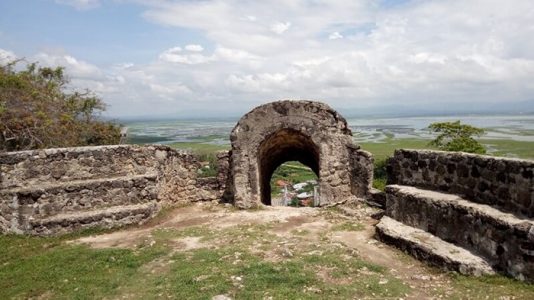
<point>163,58</point>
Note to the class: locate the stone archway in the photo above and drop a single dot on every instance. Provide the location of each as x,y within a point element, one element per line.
<point>306,131</point>
<point>282,146</point>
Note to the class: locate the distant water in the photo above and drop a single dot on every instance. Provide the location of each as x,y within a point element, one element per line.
<point>520,128</point>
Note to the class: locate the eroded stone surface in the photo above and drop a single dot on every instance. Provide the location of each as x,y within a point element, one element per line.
<point>487,207</point>
<point>425,246</point>
<point>501,182</point>
<point>306,131</point>
<point>49,191</point>
<point>501,238</point>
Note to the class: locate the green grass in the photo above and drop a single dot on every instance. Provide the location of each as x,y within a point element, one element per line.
<point>511,148</point>
<point>387,146</point>
<point>50,267</point>
<point>199,148</point>
<point>348,226</point>
<point>33,267</point>
<point>487,287</point>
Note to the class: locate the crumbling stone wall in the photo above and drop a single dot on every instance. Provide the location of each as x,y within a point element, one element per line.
<point>480,203</point>
<point>506,183</point>
<point>305,131</point>
<point>59,190</point>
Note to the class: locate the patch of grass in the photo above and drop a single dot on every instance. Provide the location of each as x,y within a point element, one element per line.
<point>494,287</point>
<point>381,150</point>
<point>300,232</point>
<point>141,139</point>
<point>380,173</point>
<point>510,148</point>
<point>211,168</point>
<point>379,183</point>
<point>172,233</point>
<point>386,147</point>
<point>348,226</point>
<point>33,267</point>
<point>199,148</point>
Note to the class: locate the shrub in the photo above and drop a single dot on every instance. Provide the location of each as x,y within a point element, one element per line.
<point>37,111</point>
<point>454,136</point>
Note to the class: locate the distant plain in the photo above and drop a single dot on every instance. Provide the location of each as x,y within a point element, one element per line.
<point>506,135</point>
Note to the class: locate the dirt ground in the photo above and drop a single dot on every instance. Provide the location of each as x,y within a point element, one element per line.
<point>311,225</point>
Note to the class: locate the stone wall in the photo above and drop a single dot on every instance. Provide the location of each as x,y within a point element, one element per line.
<point>480,203</point>
<point>59,190</point>
<point>501,182</point>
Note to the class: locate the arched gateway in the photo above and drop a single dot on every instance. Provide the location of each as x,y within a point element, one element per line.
<point>306,131</point>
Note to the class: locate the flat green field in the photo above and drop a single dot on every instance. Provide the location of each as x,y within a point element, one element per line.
<point>508,148</point>
<point>386,147</point>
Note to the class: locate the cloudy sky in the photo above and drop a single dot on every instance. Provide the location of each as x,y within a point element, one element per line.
<point>165,58</point>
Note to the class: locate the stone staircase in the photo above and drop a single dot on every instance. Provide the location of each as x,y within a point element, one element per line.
<point>451,230</point>
<point>61,190</point>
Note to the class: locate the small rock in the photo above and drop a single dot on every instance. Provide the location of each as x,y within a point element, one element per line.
<point>221,297</point>
<point>421,277</point>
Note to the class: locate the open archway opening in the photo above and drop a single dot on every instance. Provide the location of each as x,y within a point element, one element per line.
<point>294,184</point>
<point>283,146</point>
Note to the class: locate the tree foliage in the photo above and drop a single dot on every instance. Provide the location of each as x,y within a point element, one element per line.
<point>38,111</point>
<point>454,136</point>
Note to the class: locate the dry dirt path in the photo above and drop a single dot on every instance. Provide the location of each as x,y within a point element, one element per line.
<point>293,231</point>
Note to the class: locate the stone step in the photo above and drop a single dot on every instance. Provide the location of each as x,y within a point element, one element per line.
<point>503,239</point>
<point>49,199</point>
<point>427,247</point>
<point>103,218</point>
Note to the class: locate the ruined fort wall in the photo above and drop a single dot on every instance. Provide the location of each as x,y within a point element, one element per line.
<point>58,190</point>
<point>501,182</point>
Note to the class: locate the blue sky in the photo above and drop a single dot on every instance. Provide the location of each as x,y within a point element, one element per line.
<point>164,58</point>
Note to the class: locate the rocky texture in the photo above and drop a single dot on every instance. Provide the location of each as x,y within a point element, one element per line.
<point>104,218</point>
<point>480,203</point>
<point>431,249</point>
<point>502,182</point>
<point>305,131</point>
<point>58,190</point>
<point>504,240</point>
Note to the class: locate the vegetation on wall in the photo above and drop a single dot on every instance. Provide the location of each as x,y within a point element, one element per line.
<point>454,136</point>
<point>38,111</point>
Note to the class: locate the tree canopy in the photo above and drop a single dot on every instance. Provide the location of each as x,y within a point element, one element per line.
<point>454,136</point>
<point>38,111</point>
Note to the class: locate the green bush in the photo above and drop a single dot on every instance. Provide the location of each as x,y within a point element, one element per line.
<point>380,174</point>
<point>454,136</point>
<point>38,111</point>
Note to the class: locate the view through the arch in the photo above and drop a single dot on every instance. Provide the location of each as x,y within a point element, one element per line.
<point>294,184</point>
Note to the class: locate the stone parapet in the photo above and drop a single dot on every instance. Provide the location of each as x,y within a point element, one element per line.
<point>502,182</point>
<point>72,188</point>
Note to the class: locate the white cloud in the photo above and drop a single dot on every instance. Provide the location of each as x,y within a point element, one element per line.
<point>427,52</point>
<point>280,27</point>
<point>335,36</point>
<point>80,4</point>
<point>175,55</point>
<point>194,48</point>
<point>6,56</point>
<point>74,67</point>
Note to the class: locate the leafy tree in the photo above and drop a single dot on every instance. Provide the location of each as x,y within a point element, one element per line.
<point>454,136</point>
<point>38,111</point>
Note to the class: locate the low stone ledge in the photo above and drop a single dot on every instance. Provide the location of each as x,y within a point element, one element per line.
<point>105,218</point>
<point>424,246</point>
